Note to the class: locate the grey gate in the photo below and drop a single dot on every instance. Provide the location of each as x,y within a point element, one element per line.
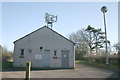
<point>46,58</point>
<point>65,59</point>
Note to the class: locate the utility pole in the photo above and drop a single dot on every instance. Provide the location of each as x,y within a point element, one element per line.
<point>104,10</point>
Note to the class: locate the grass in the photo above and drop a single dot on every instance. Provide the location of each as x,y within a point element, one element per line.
<point>102,65</point>
<point>7,65</point>
<point>96,64</point>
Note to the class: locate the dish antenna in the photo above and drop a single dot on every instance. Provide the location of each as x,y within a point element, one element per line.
<point>50,19</point>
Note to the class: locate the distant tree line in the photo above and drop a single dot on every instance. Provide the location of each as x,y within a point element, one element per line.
<point>90,42</point>
<point>5,54</point>
<point>117,46</point>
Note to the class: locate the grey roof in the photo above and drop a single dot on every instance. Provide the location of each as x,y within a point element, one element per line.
<point>41,28</point>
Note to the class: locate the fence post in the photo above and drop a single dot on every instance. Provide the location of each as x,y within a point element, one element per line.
<point>28,66</point>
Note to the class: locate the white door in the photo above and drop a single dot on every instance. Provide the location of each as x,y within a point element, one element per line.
<point>65,59</point>
<point>46,58</point>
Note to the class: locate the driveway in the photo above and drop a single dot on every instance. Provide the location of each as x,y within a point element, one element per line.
<point>81,71</point>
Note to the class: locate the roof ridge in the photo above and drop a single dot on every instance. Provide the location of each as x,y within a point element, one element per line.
<point>41,28</point>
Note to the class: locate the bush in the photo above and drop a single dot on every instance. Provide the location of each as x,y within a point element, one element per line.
<point>113,61</point>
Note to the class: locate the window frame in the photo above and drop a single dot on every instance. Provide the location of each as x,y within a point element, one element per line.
<point>22,52</point>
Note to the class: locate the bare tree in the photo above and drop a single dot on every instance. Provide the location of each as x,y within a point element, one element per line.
<point>81,48</point>
<point>5,54</point>
<point>117,47</point>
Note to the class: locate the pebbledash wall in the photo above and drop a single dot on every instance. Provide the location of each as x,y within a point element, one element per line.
<point>42,41</point>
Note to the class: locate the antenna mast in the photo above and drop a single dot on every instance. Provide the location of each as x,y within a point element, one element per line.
<point>50,19</point>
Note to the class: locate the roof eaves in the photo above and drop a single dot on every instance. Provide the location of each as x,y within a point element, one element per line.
<point>28,34</point>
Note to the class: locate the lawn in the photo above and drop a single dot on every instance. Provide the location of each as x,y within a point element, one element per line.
<point>102,65</point>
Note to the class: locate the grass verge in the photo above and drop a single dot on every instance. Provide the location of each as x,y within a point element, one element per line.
<point>102,65</point>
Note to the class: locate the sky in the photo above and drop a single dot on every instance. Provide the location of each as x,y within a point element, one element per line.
<point>21,18</point>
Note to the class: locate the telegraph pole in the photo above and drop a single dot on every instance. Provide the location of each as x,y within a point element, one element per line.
<point>104,10</point>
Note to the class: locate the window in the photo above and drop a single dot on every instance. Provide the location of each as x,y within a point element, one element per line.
<point>55,53</point>
<point>22,51</point>
<point>30,50</point>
